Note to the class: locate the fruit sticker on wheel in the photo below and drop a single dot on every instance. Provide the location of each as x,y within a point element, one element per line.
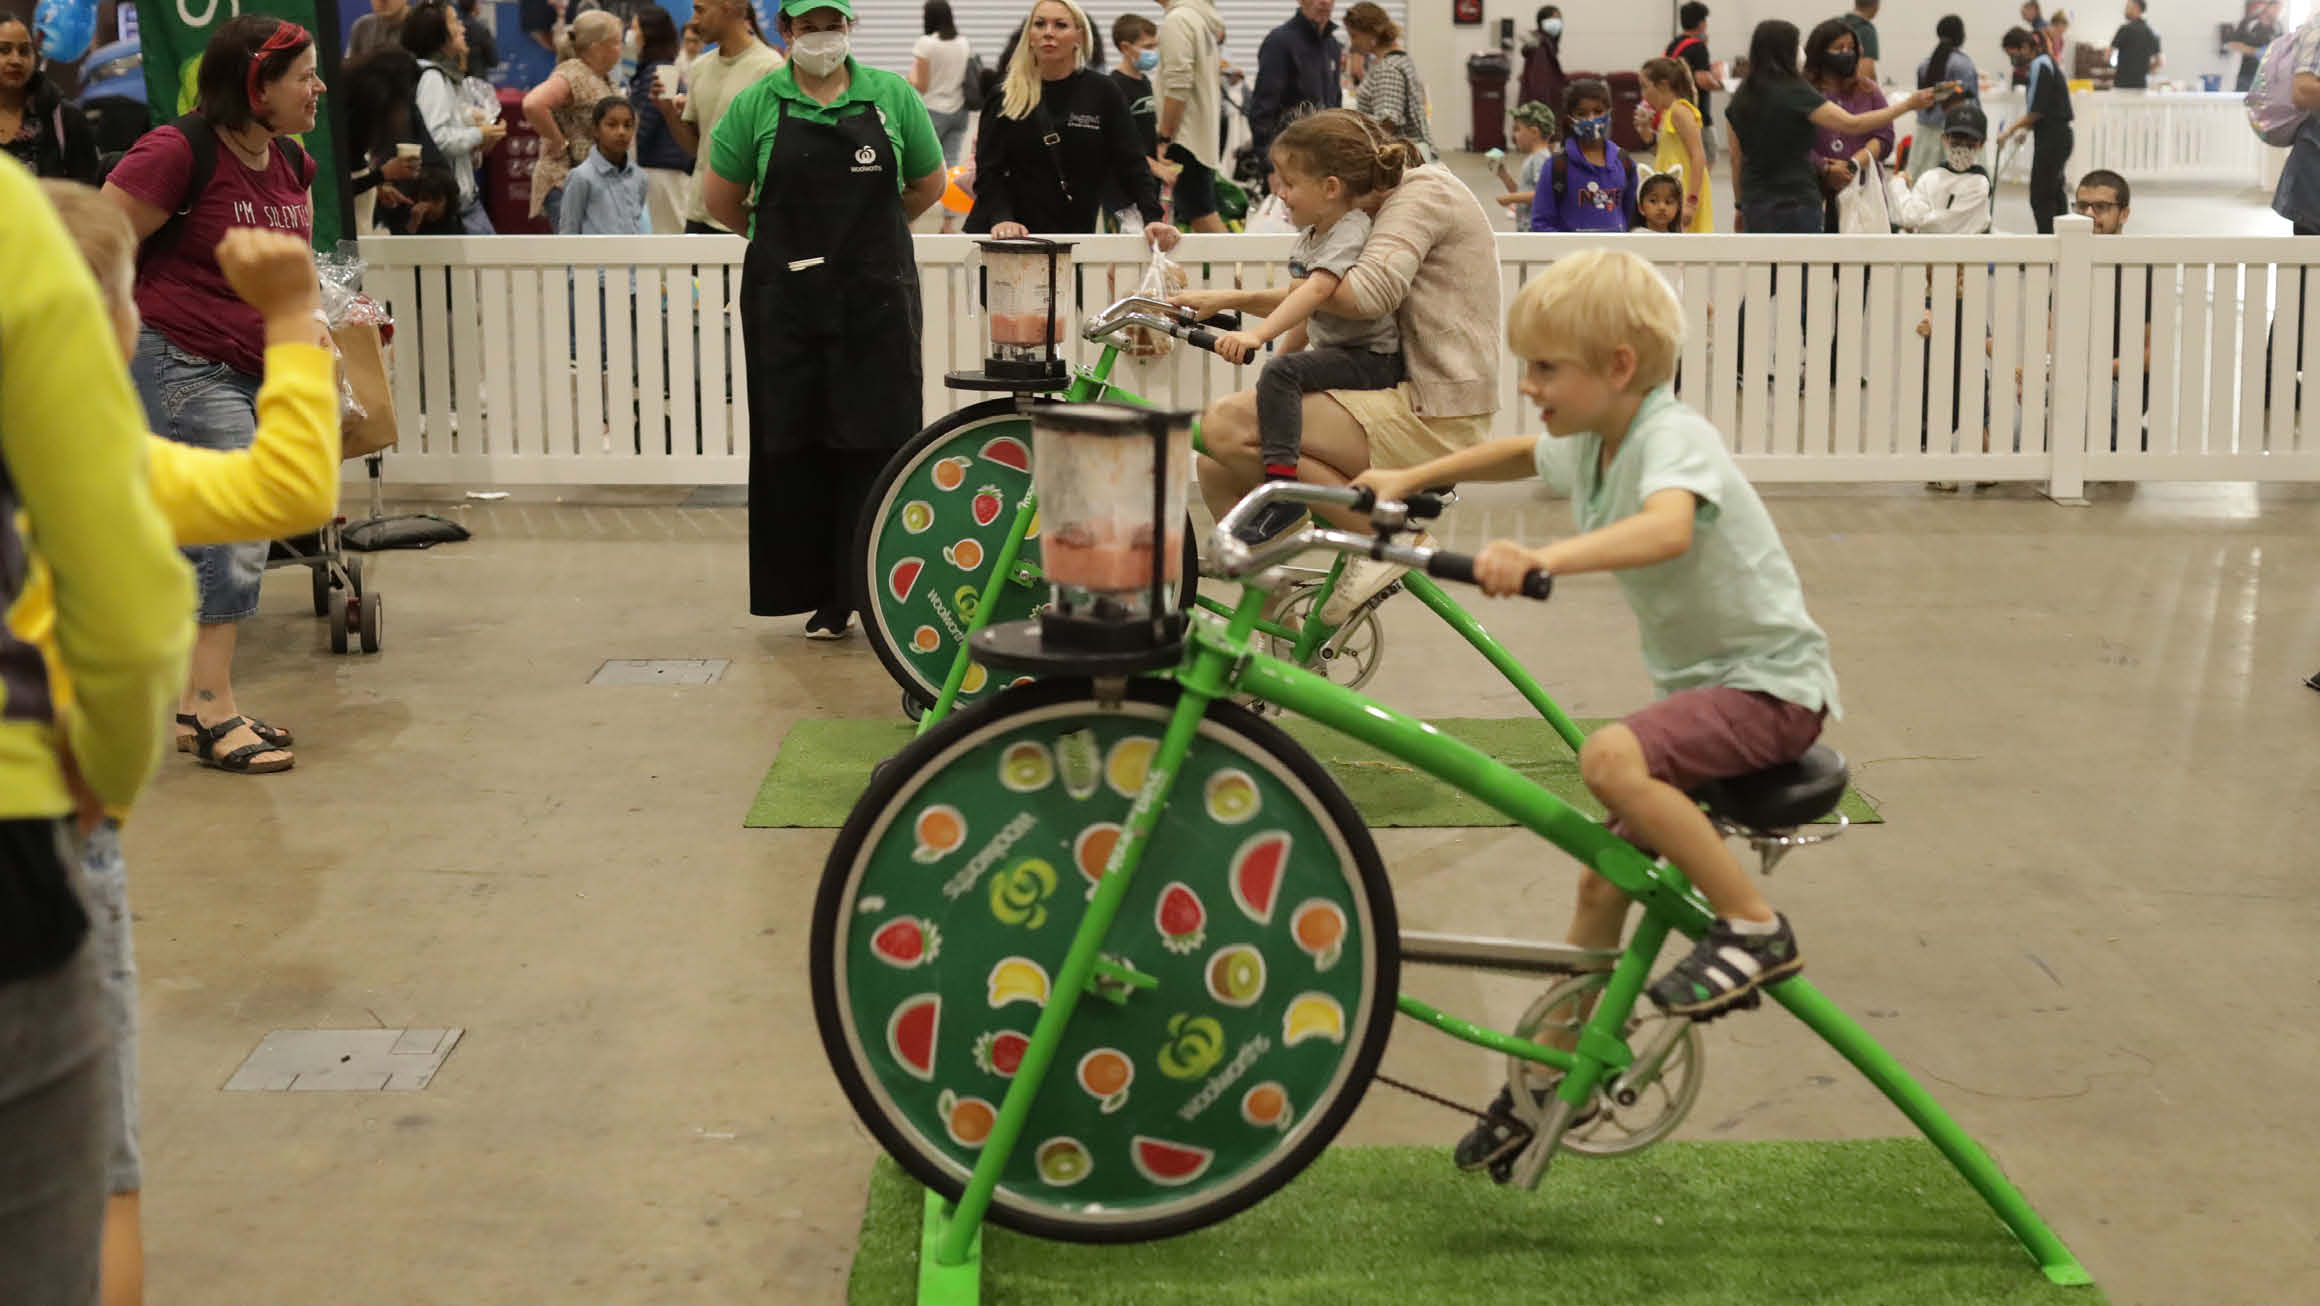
<point>1007,451</point>
<point>1245,1016</point>
<point>934,530</point>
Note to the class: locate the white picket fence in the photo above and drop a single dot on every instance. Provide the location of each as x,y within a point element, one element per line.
<point>1822,359</point>
<point>2162,136</point>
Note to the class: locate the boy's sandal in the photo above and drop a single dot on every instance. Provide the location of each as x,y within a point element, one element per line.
<point>205,742</point>
<point>274,735</point>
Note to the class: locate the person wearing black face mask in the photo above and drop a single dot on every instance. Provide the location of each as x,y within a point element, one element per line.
<point>1542,75</point>
<point>1772,117</point>
<point>1832,63</point>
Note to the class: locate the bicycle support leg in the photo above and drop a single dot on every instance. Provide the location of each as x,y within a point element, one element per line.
<point>1002,575</point>
<point>1601,1050</point>
<point>1462,621</point>
<point>1840,1031</point>
<point>947,1285</point>
<point>965,1224</point>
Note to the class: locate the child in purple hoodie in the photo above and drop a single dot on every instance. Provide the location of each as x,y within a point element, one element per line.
<point>1588,185</point>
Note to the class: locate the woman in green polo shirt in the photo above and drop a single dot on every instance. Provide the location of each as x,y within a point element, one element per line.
<point>840,159</point>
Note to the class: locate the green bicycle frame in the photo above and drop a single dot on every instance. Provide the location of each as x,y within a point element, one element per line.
<point>1223,662</point>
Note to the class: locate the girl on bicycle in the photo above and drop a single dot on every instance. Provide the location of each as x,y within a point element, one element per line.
<point>1324,165</point>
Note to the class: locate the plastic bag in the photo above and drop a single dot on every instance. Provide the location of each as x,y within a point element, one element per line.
<point>1163,279</point>
<point>344,306</point>
<point>1270,217</point>
<point>1861,207</point>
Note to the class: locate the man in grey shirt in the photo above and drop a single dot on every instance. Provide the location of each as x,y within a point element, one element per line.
<point>1340,353</point>
<point>380,29</point>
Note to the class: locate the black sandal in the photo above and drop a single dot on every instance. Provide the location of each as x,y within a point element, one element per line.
<point>205,742</point>
<point>274,735</point>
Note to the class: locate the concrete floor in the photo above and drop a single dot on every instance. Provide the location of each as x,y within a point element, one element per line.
<point>2088,924</point>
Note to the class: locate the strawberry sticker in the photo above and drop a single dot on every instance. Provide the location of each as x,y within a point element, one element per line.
<point>1180,918</point>
<point>906,942</point>
<point>986,505</point>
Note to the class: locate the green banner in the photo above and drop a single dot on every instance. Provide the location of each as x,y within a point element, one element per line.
<point>174,33</point>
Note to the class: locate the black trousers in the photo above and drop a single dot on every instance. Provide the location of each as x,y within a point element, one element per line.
<point>1289,378</point>
<point>2049,155</point>
<point>805,508</point>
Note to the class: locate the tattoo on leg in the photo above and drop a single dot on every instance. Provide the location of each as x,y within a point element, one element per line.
<point>205,696</point>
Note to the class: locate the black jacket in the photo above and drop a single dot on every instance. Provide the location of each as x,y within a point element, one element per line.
<point>1017,172</point>
<point>1298,67</point>
<point>73,154</point>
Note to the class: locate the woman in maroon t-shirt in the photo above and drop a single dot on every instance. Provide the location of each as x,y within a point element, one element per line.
<point>202,349</point>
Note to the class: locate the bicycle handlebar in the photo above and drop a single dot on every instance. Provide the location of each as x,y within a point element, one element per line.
<point>1162,316</point>
<point>1236,559</point>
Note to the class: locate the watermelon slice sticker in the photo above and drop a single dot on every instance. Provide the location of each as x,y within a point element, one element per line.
<point>1007,451</point>
<point>1180,918</point>
<point>903,576</point>
<point>1256,874</point>
<point>910,1034</point>
<point>906,942</point>
<point>1169,1164</point>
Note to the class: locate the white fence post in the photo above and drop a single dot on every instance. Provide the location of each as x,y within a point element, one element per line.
<point>2066,425</point>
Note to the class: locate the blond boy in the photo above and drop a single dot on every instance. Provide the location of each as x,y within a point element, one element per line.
<point>1741,670</point>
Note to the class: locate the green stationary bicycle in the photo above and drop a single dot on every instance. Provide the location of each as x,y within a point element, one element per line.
<point>1108,957</point>
<point>951,538</point>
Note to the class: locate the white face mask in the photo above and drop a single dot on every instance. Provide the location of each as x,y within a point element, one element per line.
<point>1962,158</point>
<point>821,53</point>
<point>631,46</point>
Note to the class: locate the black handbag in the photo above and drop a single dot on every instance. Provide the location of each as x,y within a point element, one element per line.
<point>42,922</point>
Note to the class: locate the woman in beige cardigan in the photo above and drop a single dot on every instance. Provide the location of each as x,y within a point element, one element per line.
<point>562,109</point>
<point>1431,261</point>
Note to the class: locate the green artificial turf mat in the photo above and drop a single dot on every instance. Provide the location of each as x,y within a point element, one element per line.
<point>1882,1222</point>
<point>823,766</point>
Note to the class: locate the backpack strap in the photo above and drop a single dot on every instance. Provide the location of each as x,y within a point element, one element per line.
<point>1560,165</point>
<point>201,138</point>
<point>1677,50</point>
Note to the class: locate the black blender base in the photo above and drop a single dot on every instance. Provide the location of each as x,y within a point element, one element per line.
<point>1026,647</point>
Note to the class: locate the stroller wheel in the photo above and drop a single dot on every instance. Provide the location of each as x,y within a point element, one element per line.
<point>354,574</point>
<point>321,590</point>
<point>369,607</point>
<point>341,615</point>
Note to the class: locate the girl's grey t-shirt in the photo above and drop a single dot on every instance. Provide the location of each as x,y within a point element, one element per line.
<point>1730,611</point>
<point>1335,251</point>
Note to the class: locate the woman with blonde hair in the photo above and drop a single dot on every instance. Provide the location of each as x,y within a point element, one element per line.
<point>1390,91</point>
<point>1055,134</point>
<point>562,109</point>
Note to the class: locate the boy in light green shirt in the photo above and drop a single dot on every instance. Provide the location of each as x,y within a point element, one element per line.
<point>1742,672</point>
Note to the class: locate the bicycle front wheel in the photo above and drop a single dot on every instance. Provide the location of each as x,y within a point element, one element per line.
<point>930,533</point>
<point>1260,915</point>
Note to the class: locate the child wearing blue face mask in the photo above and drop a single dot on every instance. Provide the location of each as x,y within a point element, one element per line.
<point>1138,40</point>
<point>1590,184</point>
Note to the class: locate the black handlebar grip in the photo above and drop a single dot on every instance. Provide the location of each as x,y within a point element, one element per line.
<point>1536,584</point>
<point>1364,499</point>
<point>1227,320</point>
<point>1451,566</point>
<point>1424,504</point>
<point>1202,338</point>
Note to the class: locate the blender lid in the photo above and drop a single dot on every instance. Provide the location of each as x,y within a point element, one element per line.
<point>1107,419</point>
<point>1023,245</point>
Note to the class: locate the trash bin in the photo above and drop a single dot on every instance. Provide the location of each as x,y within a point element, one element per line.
<point>1486,76</point>
<point>505,175</point>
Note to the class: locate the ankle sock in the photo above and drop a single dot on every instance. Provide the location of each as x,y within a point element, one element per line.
<point>1280,471</point>
<point>1756,928</point>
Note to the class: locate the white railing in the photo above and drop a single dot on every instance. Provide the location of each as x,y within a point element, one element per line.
<point>2152,136</point>
<point>1834,358</point>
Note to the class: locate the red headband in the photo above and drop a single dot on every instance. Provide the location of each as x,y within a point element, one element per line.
<point>288,36</point>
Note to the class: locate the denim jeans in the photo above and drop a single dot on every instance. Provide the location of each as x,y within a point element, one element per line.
<point>1283,385</point>
<point>106,891</point>
<point>208,405</point>
<point>1783,217</point>
<point>54,1099</point>
<point>951,130</point>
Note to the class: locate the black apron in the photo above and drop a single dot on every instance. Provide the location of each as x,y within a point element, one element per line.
<point>830,320</point>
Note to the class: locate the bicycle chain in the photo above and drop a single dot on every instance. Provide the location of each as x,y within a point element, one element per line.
<point>1435,1098</point>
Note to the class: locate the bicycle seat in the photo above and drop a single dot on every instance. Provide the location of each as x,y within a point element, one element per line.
<point>1779,797</point>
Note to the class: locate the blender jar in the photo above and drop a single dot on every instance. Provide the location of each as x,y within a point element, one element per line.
<point>1024,282</point>
<point>1094,468</point>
